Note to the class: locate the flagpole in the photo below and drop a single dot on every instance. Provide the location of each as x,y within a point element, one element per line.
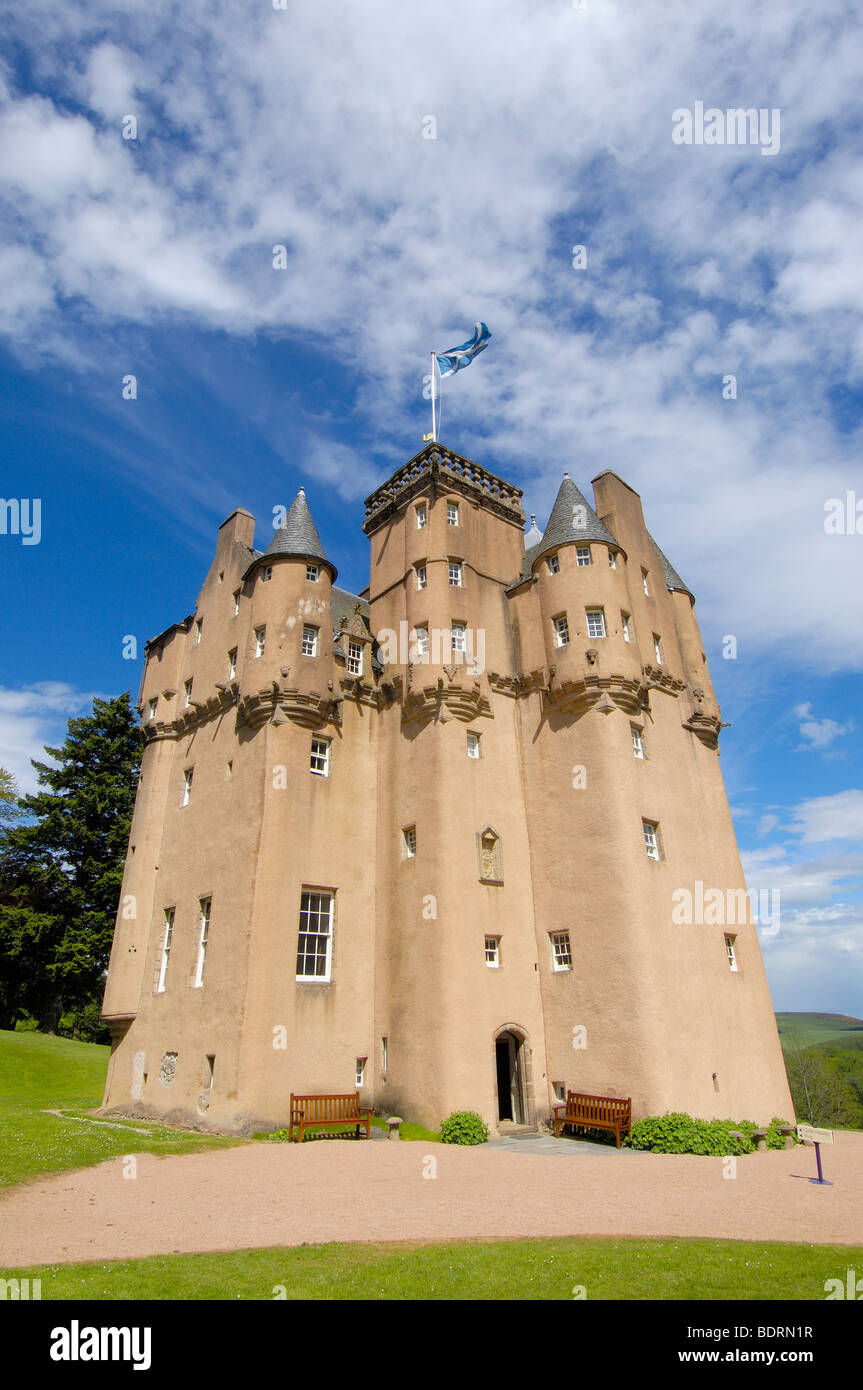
<point>434,425</point>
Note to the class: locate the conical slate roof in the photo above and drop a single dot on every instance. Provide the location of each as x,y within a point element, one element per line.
<point>298,535</point>
<point>672,578</point>
<point>560,528</point>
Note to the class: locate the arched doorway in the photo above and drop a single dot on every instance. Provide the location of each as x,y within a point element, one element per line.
<point>509,1063</point>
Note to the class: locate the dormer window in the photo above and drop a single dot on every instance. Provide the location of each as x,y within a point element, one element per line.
<point>422,516</point>
<point>312,573</point>
<point>355,658</point>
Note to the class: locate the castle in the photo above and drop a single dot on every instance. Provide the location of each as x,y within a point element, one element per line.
<point>423,841</point>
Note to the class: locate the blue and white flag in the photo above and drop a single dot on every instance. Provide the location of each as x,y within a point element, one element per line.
<point>454,359</point>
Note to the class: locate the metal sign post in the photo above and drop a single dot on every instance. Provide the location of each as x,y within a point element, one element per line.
<point>808,1134</point>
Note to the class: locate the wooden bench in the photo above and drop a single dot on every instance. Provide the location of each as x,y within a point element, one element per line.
<point>314,1112</point>
<point>594,1112</point>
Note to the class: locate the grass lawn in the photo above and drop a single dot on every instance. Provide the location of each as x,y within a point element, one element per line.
<point>818,1028</point>
<point>39,1073</point>
<point>501,1270</point>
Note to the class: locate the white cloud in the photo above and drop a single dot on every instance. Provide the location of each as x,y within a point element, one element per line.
<point>31,717</point>
<point>836,817</point>
<point>819,733</point>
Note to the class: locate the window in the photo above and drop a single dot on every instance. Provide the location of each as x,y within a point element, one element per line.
<point>422,516</point>
<point>644,574</point>
<point>310,641</point>
<point>266,574</point>
<point>385,1053</point>
<point>360,1074</point>
<point>455,574</point>
<point>561,631</point>
<point>152,707</point>
<point>422,641</point>
<point>409,835</point>
<point>559,1089</point>
<point>651,839</point>
<point>452,513</point>
<point>422,580</point>
<point>232,663</point>
<point>355,658</point>
<point>637,741</point>
<point>187,692</point>
<point>729,948</point>
<point>626,624</point>
<point>166,949</point>
<point>582,555</point>
<point>612,559</point>
<point>198,626</point>
<point>561,954</point>
<point>472,745</point>
<point>320,759</point>
<point>202,941</point>
<point>237,593</point>
<point>553,564</point>
<point>187,785</point>
<point>459,637</point>
<point>492,952</point>
<point>315,941</point>
<point>260,640</point>
<point>312,573</point>
<point>657,648</point>
<point>595,622</point>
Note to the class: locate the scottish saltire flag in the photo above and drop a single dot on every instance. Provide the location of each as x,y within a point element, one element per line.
<point>455,358</point>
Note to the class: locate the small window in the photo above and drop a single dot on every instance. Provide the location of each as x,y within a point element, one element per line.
<point>187,785</point>
<point>455,574</point>
<point>472,744</point>
<point>422,516</point>
<point>559,1089</point>
<point>312,573</point>
<point>459,637</point>
<point>320,757</point>
<point>422,641</point>
<point>205,904</point>
<point>561,953</point>
<point>360,1073</point>
<point>729,948</point>
<point>595,622</point>
<point>310,641</point>
<point>644,578</point>
<point>266,574</point>
<point>422,578</point>
<point>385,1053</point>
<point>260,640</point>
<point>152,707</point>
<point>657,648</point>
<point>651,839</point>
<point>355,658</point>
<point>315,940</point>
<point>612,559</point>
<point>553,564</point>
<point>409,836</point>
<point>582,555</point>
<point>637,741</point>
<point>452,513</point>
<point>187,692</point>
<point>492,952</point>
<point>232,663</point>
<point>237,593</point>
<point>167,942</point>
<point>199,623</point>
<point>561,631</point>
<point>626,624</point>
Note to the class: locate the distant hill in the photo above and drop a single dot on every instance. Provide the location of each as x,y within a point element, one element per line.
<point>813,1029</point>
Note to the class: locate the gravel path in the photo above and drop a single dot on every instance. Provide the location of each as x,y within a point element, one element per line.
<point>280,1194</point>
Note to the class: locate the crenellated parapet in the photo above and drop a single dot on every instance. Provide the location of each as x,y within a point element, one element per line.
<point>449,471</point>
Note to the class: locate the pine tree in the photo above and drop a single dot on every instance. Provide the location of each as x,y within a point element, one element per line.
<point>61,872</point>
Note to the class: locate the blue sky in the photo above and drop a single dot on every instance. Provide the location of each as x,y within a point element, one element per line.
<point>306,128</point>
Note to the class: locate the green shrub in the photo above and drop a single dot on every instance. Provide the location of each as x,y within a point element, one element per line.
<point>463,1127</point>
<point>681,1134</point>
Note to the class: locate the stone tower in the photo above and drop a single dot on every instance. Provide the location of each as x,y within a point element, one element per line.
<point>430,842</point>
